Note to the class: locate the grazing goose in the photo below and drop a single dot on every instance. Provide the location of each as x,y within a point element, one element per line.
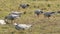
<point>48,14</point>
<point>22,26</point>
<point>38,12</point>
<point>24,5</point>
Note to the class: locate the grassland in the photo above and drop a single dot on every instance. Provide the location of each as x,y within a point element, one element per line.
<point>41,25</point>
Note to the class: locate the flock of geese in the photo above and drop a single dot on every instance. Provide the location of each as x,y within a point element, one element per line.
<point>16,15</point>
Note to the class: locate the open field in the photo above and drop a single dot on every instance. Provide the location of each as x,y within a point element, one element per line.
<point>41,25</point>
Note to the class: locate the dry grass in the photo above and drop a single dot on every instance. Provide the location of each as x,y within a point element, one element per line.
<point>41,25</point>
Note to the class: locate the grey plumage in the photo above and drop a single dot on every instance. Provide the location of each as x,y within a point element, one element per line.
<point>22,26</point>
<point>16,13</point>
<point>24,5</point>
<point>12,16</point>
<point>48,14</point>
<point>38,12</point>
